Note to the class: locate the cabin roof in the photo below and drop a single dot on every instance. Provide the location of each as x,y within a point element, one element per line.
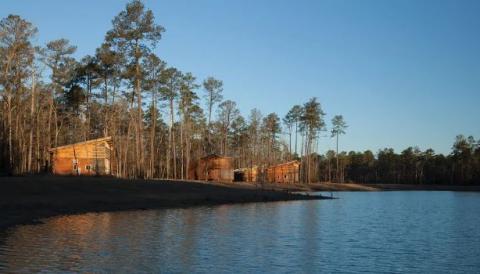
<point>98,140</point>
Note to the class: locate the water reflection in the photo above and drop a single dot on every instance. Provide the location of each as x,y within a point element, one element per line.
<point>386,232</point>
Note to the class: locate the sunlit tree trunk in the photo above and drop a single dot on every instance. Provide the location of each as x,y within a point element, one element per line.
<point>32,122</point>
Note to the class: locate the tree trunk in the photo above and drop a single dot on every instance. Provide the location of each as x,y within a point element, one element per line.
<point>290,143</point>
<point>174,146</point>
<point>188,148</point>
<point>32,122</point>
<point>329,170</point>
<point>10,141</point>
<point>210,106</point>
<point>105,107</point>
<point>171,145</point>
<point>296,135</point>
<point>152,136</point>
<point>182,155</point>
<point>337,171</point>
<point>139,135</point>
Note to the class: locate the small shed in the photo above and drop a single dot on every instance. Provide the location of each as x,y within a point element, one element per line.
<point>212,168</point>
<point>284,173</point>
<point>247,174</point>
<point>92,157</point>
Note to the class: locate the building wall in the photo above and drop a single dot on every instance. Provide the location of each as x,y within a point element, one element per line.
<point>284,173</point>
<point>92,158</point>
<point>247,174</point>
<point>92,166</point>
<point>212,169</point>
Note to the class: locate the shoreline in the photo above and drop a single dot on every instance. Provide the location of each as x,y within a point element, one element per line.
<point>390,187</point>
<point>29,199</point>
<point>339,187</point>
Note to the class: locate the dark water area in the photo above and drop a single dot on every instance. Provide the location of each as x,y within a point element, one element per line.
<point>382,232</point>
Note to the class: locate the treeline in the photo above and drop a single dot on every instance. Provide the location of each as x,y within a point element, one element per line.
<point>411,166</point>
<point>160,117</point>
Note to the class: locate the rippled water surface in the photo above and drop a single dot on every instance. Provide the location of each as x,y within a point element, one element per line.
<point>395,232</point>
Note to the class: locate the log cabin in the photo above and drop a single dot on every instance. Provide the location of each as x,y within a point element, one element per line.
<point>247,174</point>
<point>212,168</point>
<point>92,157</point>
<point>284,173</point>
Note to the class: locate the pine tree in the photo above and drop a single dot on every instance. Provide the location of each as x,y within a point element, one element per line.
<point>338,128</point>
<point>135,34</point>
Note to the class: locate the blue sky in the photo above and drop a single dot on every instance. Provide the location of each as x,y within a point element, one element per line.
<point>403,73</point>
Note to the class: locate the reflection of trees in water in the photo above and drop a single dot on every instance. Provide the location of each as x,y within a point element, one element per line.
<point>62,244</point>
<point>188,238</point>
<point>309,219</point>
<point>170,240</point>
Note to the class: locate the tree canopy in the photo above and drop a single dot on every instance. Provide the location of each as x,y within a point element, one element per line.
<point>162,118</point>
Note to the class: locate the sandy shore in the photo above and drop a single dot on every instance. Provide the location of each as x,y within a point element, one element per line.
<point>31,198</point>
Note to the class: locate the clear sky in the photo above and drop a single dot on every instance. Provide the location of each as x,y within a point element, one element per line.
<point>403,73</point>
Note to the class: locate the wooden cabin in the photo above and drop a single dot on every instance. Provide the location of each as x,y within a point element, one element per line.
<point>212,168</point>
<point>284,173</point>
<point>93,157</point>
<point>248,174</point>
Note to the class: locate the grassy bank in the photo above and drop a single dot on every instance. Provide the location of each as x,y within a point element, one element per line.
<point>28,199</point>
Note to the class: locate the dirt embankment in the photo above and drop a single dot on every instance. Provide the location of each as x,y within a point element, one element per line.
<point>28,199</point>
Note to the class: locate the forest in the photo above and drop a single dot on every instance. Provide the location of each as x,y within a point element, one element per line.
<point>161,118</point>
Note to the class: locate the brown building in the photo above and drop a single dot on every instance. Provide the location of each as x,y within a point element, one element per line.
<point>92,157</point>
<point>248,174</point>
<point>212,168</point>
<point>284,173</point>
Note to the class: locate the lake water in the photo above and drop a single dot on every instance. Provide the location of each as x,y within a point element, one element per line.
<point>394,232</point>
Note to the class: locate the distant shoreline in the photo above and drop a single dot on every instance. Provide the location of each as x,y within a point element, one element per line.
<point>324,186</point>
<point>28,199</point>
<point>390,187</point>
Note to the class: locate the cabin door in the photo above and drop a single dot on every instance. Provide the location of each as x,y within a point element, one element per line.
<point>107,166</point>
<point>75,167</point>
